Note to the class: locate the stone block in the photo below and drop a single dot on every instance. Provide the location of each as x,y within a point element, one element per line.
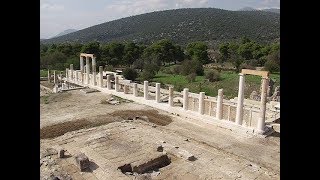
<point>82,161</point>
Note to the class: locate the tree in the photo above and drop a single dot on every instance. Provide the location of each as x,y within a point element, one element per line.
<point>213,75</point>
<point>131,52</point>
<point>191,66</point>
<point>130,74</point>
<point>198,51</point>
<point>92,48</point>
<point>224,51</point>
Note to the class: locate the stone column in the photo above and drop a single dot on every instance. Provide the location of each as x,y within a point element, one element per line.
<point>126,89</point>
<point>239,115</point>
<point>54,77</point>
<point>76,76</point>
<point>71,72</point>
<point>261,119</point>
<point>94,72</point>
<point>145,89</point>
<point>116,83</point>
<point>81,64</point>
<point>171,96</point>
<point>135,89</point>
<point>48,75</point>
<point>109,82</point>
<point>201,102</point>
<point>158,92</point>
<point>87,70</point>
<point>219,112</point>
<point>100,76</point>
<point>185,98</point>
<point>67,74</point>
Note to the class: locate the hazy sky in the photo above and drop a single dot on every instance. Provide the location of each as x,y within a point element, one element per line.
<point>59,15</point>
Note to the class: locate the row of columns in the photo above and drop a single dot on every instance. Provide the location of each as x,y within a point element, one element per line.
<point>263,103</point>
<point>219,109</point>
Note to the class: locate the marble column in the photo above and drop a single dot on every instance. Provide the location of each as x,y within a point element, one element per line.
<point>48,75</point>
<point>145,89</point>
<point>54,77</point>
<point>171,96</point>
<point>263,104</point>
<point>201,102</point>
<point>94,73</point>
<point>81,64</point>
<point>125,89</point>
<point>100,76</point>
<point>219,112</point>
<point>158,92</point>
<point>87,70</point>
<point>67,74</point>
<point>239,114</point>
<point>185,98</point>
<point>135,89</point>
<point>109,82</point>
<point>116,83</point>
<point>71,72</point>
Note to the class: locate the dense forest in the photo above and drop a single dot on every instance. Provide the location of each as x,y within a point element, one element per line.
<point>182,26</point>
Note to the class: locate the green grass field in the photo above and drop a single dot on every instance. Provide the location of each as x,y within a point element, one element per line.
<point>44,72</point>
<point>229,83</point>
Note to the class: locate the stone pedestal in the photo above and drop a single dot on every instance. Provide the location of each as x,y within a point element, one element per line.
<point>219,112</point>
<point>201,102</point>
<point>185,98</point>
<point>145,89</point>
<point>171,96</point>
<point>158,92</point>
<point>109,82</point>
<point>239,114</point>
<point>135,89</point>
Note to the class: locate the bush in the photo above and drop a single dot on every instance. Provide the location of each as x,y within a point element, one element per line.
<point>176,69</point>
<point>130,74</point>
<point>146,75</point>
<point>109,68</point>
<point>247,66</point>
<point>271,66</point>
<point>191,66</point>
<point>191,77</point>
<point>213,76</point>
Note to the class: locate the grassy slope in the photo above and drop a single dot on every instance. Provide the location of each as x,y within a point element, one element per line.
<point>229,82</point>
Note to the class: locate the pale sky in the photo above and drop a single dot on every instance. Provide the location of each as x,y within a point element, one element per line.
<point>59,15</point>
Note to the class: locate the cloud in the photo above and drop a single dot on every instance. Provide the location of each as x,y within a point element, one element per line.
<point>51,7</point>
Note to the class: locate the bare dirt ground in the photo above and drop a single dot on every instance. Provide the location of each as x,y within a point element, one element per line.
<point>129,135</point>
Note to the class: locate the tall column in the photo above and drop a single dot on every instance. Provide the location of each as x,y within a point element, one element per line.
<point>219,104</point>
<point>158,92</point>
<point>100,76</point>
<point>116,83</point>
<point>71,72</point>
<point>87,70</point>
<point>185,98</point>
<point>145,90</point>
<point>263,103</point>
<point>109,82</point>
<point>81,64</point>
<point>135,89</point>
<point>48,75</point>
<point>94,73</point>
<point>201,102</point>
<point>171,96</point>
<point>67,74</point>
<point>239,115</point>
<point>54,77</point>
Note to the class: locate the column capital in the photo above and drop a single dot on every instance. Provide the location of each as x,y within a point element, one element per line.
<point>241,74</point>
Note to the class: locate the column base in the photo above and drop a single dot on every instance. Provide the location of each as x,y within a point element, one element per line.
<point>266,132</point>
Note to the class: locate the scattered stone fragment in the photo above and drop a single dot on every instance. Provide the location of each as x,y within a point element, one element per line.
<point>82,161</point>
<point>160,148</point>
<point>61,153</point>
<point>186,140</point>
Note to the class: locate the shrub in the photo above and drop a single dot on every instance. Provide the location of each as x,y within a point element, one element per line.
<point>176,69</point>
<point>109,68</point>
<point>191,77</point>
<point>146,75</point>
<point>191,66</point>
<point>247,66</point>
<point>213,76</point>
<point>271,66</point>
<point>130,74</point>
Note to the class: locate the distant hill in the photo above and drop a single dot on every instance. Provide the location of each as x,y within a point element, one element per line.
<point>182,26</point>
<point>274,10</point>
<point>68,31</point>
